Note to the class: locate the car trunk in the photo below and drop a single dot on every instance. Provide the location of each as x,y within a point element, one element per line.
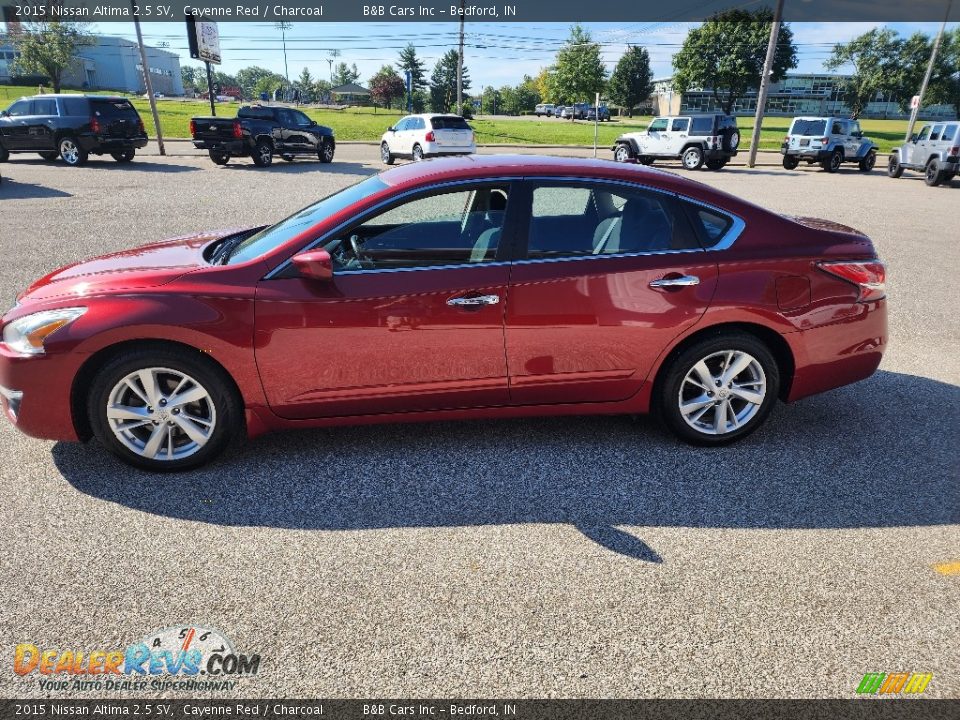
<point>452,131</point>
<point>117,118</point>
<point>213,128</point>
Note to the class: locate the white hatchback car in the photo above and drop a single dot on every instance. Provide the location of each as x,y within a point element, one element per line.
<point>427,135</point>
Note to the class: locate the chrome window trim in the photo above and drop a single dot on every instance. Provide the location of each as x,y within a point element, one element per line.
<point>728,239</point>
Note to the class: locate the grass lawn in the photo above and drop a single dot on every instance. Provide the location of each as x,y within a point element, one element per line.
<point>368,124</point>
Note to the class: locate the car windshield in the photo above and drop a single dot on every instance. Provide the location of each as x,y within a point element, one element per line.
<point>272,237</point>
<point>808,127</point>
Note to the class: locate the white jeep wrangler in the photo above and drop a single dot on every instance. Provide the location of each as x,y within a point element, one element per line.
<point>695,140</point>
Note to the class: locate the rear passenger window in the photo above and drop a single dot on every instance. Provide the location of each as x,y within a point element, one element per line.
<point>680,125</point>
<point>74,106</point>
<point>713,225</point>
<point>935,133</point>
<point>588,220</point>
<point>950,133</point>
<point>46,106</point>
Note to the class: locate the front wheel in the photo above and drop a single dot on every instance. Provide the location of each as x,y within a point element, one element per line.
<point>790,162</point>
<point>622,154</point>
<point>692,158</point>
<point>71,152</point>
<point>417,153</point>
<point>163,409</point>
<point>124,156</point>
<point>263,154</point>
<point>719,389</point>
<point>326,151</point>
<point>868,162</point>
<point>219,158</point>
<point>385,155</point>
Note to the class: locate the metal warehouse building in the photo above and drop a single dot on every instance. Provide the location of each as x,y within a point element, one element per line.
<point>112,63</point>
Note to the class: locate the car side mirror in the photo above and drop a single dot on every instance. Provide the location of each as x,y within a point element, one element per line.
<point>314,264</point>
<point>392,129</point>
<point>4,113</point>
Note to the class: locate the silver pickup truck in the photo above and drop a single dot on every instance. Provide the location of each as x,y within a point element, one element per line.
<point>934,151</point>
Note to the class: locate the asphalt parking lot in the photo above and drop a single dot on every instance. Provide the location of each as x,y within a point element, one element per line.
<point>579,557</point>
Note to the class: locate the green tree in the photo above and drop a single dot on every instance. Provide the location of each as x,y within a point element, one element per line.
<point>255,80</point>
<point>344,74</point>
<point>579,72</point>
<point>876,58</point>
<point>321,90</point>
<point>443,82</point>
<point>49,48</point>
<point>945,84</point>
<point>726,55</point>
<point>409,61</point>
<point>632,80</point>
<point>544,83</point>
<point>305,82</point>
<point>193,77</point>
<point>386,86</point>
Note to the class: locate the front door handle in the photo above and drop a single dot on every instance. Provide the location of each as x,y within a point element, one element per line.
<point>473,300</point>
<point>678,281</point>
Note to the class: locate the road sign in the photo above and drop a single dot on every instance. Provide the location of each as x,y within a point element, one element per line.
<point>915,102</point>
<point>204,40</point>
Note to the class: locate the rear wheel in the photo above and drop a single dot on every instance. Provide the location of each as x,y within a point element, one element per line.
<point>894,168</point>
<point>385,155</point>
<point>622,154</point>
<point>933,176</point>
<point>71,152</point>
<point>868,162</point>
<point>50,156</point>
<point>124,156</point>
<point>719,389</point>
<point>219,158</point>
<point>417,153</point>
<point>790,162</point>
<point>326,151</point>
<point>692,158</point>
<point>833,163</point>
<point>163,409</point>
<point>263,154</point>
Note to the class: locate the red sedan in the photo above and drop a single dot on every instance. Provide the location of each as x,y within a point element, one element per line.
<point>459,288</point>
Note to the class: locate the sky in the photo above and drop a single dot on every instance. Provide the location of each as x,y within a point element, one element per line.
<point>496,53</point>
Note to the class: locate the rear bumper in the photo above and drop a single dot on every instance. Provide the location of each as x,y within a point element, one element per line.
<point>840,353</point>
<point>433,149</point>
<point>35,393</point>
<point>101,144</point>
<point>811,154</point>
<point>233,147</point>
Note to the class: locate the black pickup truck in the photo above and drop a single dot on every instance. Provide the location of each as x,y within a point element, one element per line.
<point>260,132</point>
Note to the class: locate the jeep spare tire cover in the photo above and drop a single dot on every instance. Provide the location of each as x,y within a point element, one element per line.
<point>733,140</point>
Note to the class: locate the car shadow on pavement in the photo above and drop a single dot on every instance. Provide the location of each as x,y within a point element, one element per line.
<point>301,166</point>
<point>12,190</point>
<point>106,162</point>
<point>881,453</point>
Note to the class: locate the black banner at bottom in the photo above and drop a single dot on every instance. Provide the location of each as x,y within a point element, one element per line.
<point>859,709</point>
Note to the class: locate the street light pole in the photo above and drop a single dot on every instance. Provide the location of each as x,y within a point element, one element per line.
<point>765,83</point>
<point>460,64</point>
<point>148,83</point>
<point>914,112</point>
<point>283,27</point>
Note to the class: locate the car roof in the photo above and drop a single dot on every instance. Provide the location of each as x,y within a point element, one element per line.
<point>75,95</point>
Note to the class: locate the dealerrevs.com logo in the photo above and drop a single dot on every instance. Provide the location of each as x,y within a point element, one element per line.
<point>177,658</point>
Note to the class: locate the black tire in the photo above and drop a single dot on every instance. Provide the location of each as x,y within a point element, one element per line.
<point>417,153</point>
<point>833,163</point>
<point>894,168</point>
<point>715,164</point>
<point>731,140</point>
<point>219,158</point>
<point>4,154</point>
<point>385,155</point>
<point>263,154</point>
<point>49,156</point>
<point>623,153</point>
<point>124,156</point>
<point>672,389</point>
<point>327,150</point>
<point>692,158</point>
<point>70,151</point>
<point>867,162</point>
<point>790,162</point>
<point>932,174</point>
<point>227,406</point>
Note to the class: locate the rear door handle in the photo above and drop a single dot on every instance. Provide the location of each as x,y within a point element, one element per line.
<point>473,300</point>
<point>681,281</point>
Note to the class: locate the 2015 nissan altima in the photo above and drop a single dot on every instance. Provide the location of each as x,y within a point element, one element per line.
<point>459,288</point>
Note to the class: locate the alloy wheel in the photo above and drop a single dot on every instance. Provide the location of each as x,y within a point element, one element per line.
<point>161,414</point>
<point>722,392</point>
<point>69,152</point>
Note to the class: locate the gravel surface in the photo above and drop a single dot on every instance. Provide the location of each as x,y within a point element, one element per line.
<point>581,557</point>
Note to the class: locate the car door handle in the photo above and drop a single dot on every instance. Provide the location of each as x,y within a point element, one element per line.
<point>473,300</point>
<point>678,281</point>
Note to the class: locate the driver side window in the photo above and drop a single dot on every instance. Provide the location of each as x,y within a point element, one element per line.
<point>448,228</point>
<point>658,125</point>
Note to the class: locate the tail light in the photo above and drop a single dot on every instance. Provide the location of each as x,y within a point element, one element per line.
<point>430,136</point>
<point>237,130</point>
<point>955,150</point>
<point>193,128</point>
<point>869,276</point>
<point>95,126</point>
<point>143,130</point>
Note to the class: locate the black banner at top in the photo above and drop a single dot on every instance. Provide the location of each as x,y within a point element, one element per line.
<point>633,11</point>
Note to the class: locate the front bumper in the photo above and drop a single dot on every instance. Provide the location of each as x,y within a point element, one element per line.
<point>35,393</point>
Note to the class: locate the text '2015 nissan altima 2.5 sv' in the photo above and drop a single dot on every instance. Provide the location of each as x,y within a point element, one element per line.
<point>458,288</point>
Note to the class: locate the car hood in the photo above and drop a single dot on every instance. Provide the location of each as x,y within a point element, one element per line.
<point>139,268</point>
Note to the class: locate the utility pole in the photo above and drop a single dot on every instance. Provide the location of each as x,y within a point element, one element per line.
<point>765,83</point>
<point>914,112</point>
<point>148,83</point>
<point>460,64</point>
<point>332,55</point>
<point>283,27</point>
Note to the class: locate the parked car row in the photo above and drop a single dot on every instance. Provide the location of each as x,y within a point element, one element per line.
<point>577,111</point>
<point>934,151</point>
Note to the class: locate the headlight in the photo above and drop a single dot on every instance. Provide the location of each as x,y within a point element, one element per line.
<point>27,334</point>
